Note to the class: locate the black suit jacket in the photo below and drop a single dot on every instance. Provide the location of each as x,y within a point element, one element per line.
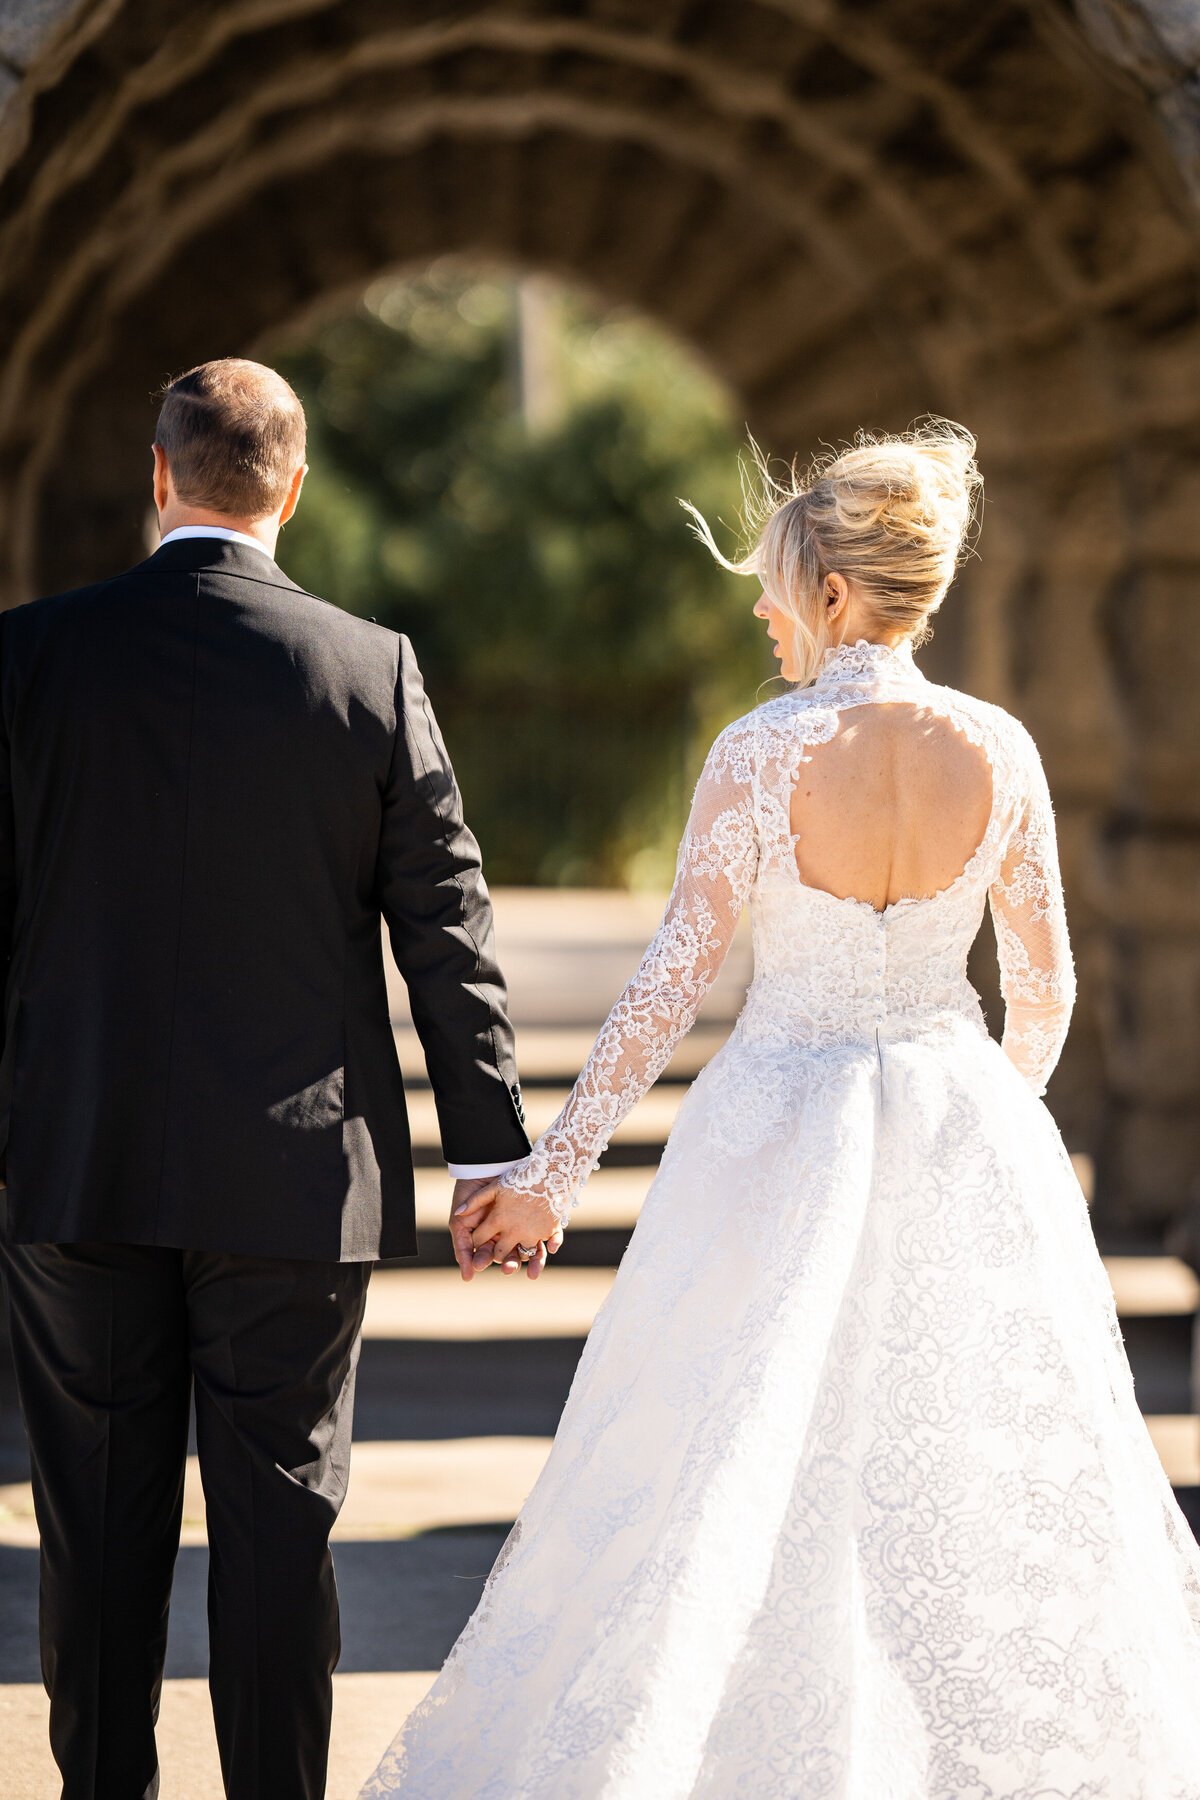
<point>212,786</point>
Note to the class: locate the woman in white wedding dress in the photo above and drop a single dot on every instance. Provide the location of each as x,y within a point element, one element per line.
<point>851,1499</point>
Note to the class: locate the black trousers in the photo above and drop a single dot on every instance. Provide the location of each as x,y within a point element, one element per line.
<point>107,1340</point>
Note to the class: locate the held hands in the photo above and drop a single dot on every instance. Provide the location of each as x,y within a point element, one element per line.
<point>489,1224</point>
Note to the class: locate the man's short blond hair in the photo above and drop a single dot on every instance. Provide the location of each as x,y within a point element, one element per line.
<point>233,433</point>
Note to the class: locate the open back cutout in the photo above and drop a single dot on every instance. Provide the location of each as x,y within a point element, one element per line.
<point>893,807</point>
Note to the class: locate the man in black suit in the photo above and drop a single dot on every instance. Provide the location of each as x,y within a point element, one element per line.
<point>212,787</point>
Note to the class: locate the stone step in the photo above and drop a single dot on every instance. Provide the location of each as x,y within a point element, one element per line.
<point>400,1488</point>
<point>1152,1286</point>
<point>567,954</point>
<point>554,1054</point>
<point>1145,1287</point>
<point>1176,1438</point>
<point>428,1307</point>
<point>612,1199</point>
<point>581,1249</point>
<point>397,1489</point>
<point>649,1122</point>
<point>429,1304</point>
<point>435,1303</point>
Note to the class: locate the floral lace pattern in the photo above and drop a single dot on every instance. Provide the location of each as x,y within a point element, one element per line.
<point>738,847</point>
<point>851,1498</point>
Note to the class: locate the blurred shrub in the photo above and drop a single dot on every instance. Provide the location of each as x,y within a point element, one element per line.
<point>495,470</point>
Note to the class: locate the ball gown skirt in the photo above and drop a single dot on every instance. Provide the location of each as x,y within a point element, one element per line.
<point>851,1499</point>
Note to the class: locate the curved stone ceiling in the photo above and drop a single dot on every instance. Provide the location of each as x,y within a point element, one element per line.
<point>856,213</point>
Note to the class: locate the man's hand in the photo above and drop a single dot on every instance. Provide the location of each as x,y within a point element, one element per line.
<point>469,1259</point>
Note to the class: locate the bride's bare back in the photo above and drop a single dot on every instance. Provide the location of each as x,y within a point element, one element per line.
<point>893,806</point>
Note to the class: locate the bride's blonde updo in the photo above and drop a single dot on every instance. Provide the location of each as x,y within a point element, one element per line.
<point>891,514</point>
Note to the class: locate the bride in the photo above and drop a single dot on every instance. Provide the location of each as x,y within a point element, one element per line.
<point>851,1499</point>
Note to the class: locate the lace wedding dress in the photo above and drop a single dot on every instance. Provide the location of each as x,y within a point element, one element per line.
<point>851,1499</point>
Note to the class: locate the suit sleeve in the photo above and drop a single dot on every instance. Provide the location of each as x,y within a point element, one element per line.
<point>434,900</point>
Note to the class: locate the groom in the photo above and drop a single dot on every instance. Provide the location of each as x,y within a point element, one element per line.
<point>212,787</point>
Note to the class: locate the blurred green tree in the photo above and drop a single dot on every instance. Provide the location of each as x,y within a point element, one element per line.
<point>495,470</point>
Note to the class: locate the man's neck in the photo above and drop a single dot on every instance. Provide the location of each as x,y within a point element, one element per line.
<point>264,531</point>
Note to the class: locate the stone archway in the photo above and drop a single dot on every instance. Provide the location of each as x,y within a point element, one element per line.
<point>856,212</point>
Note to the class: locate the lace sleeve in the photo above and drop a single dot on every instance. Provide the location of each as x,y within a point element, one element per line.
<point>717,861</point>
<point>1037,975</point>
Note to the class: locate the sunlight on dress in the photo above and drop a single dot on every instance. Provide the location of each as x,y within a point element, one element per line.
<point>851,1499</point>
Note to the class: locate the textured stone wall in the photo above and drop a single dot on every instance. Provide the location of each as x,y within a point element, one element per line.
<point>855,213</point>
<point>1157,42</point>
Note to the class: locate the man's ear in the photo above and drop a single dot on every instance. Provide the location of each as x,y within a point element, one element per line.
<point>162,478</point>
<point>293,499</point>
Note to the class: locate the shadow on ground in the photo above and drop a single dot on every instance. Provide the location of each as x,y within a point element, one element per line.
<point>404,1601</point>
<point>1160,1352</point>
<point>448,1388</point>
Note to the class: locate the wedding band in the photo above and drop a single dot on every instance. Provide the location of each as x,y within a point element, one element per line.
<point>525,1253</point>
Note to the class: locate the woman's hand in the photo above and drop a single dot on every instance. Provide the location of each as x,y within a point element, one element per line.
<point>498,1222</point>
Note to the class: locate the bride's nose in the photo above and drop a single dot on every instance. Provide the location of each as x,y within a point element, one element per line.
<point>760,607</point>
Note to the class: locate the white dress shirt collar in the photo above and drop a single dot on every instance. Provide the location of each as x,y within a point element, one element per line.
<point>216,531</point>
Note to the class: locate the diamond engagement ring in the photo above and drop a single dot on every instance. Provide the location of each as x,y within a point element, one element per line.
<point>525,1253</point>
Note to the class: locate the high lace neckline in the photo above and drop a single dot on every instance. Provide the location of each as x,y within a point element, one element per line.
<point>864,664</point>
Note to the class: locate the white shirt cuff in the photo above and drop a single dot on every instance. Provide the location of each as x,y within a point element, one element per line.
<point>477,1171</point>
